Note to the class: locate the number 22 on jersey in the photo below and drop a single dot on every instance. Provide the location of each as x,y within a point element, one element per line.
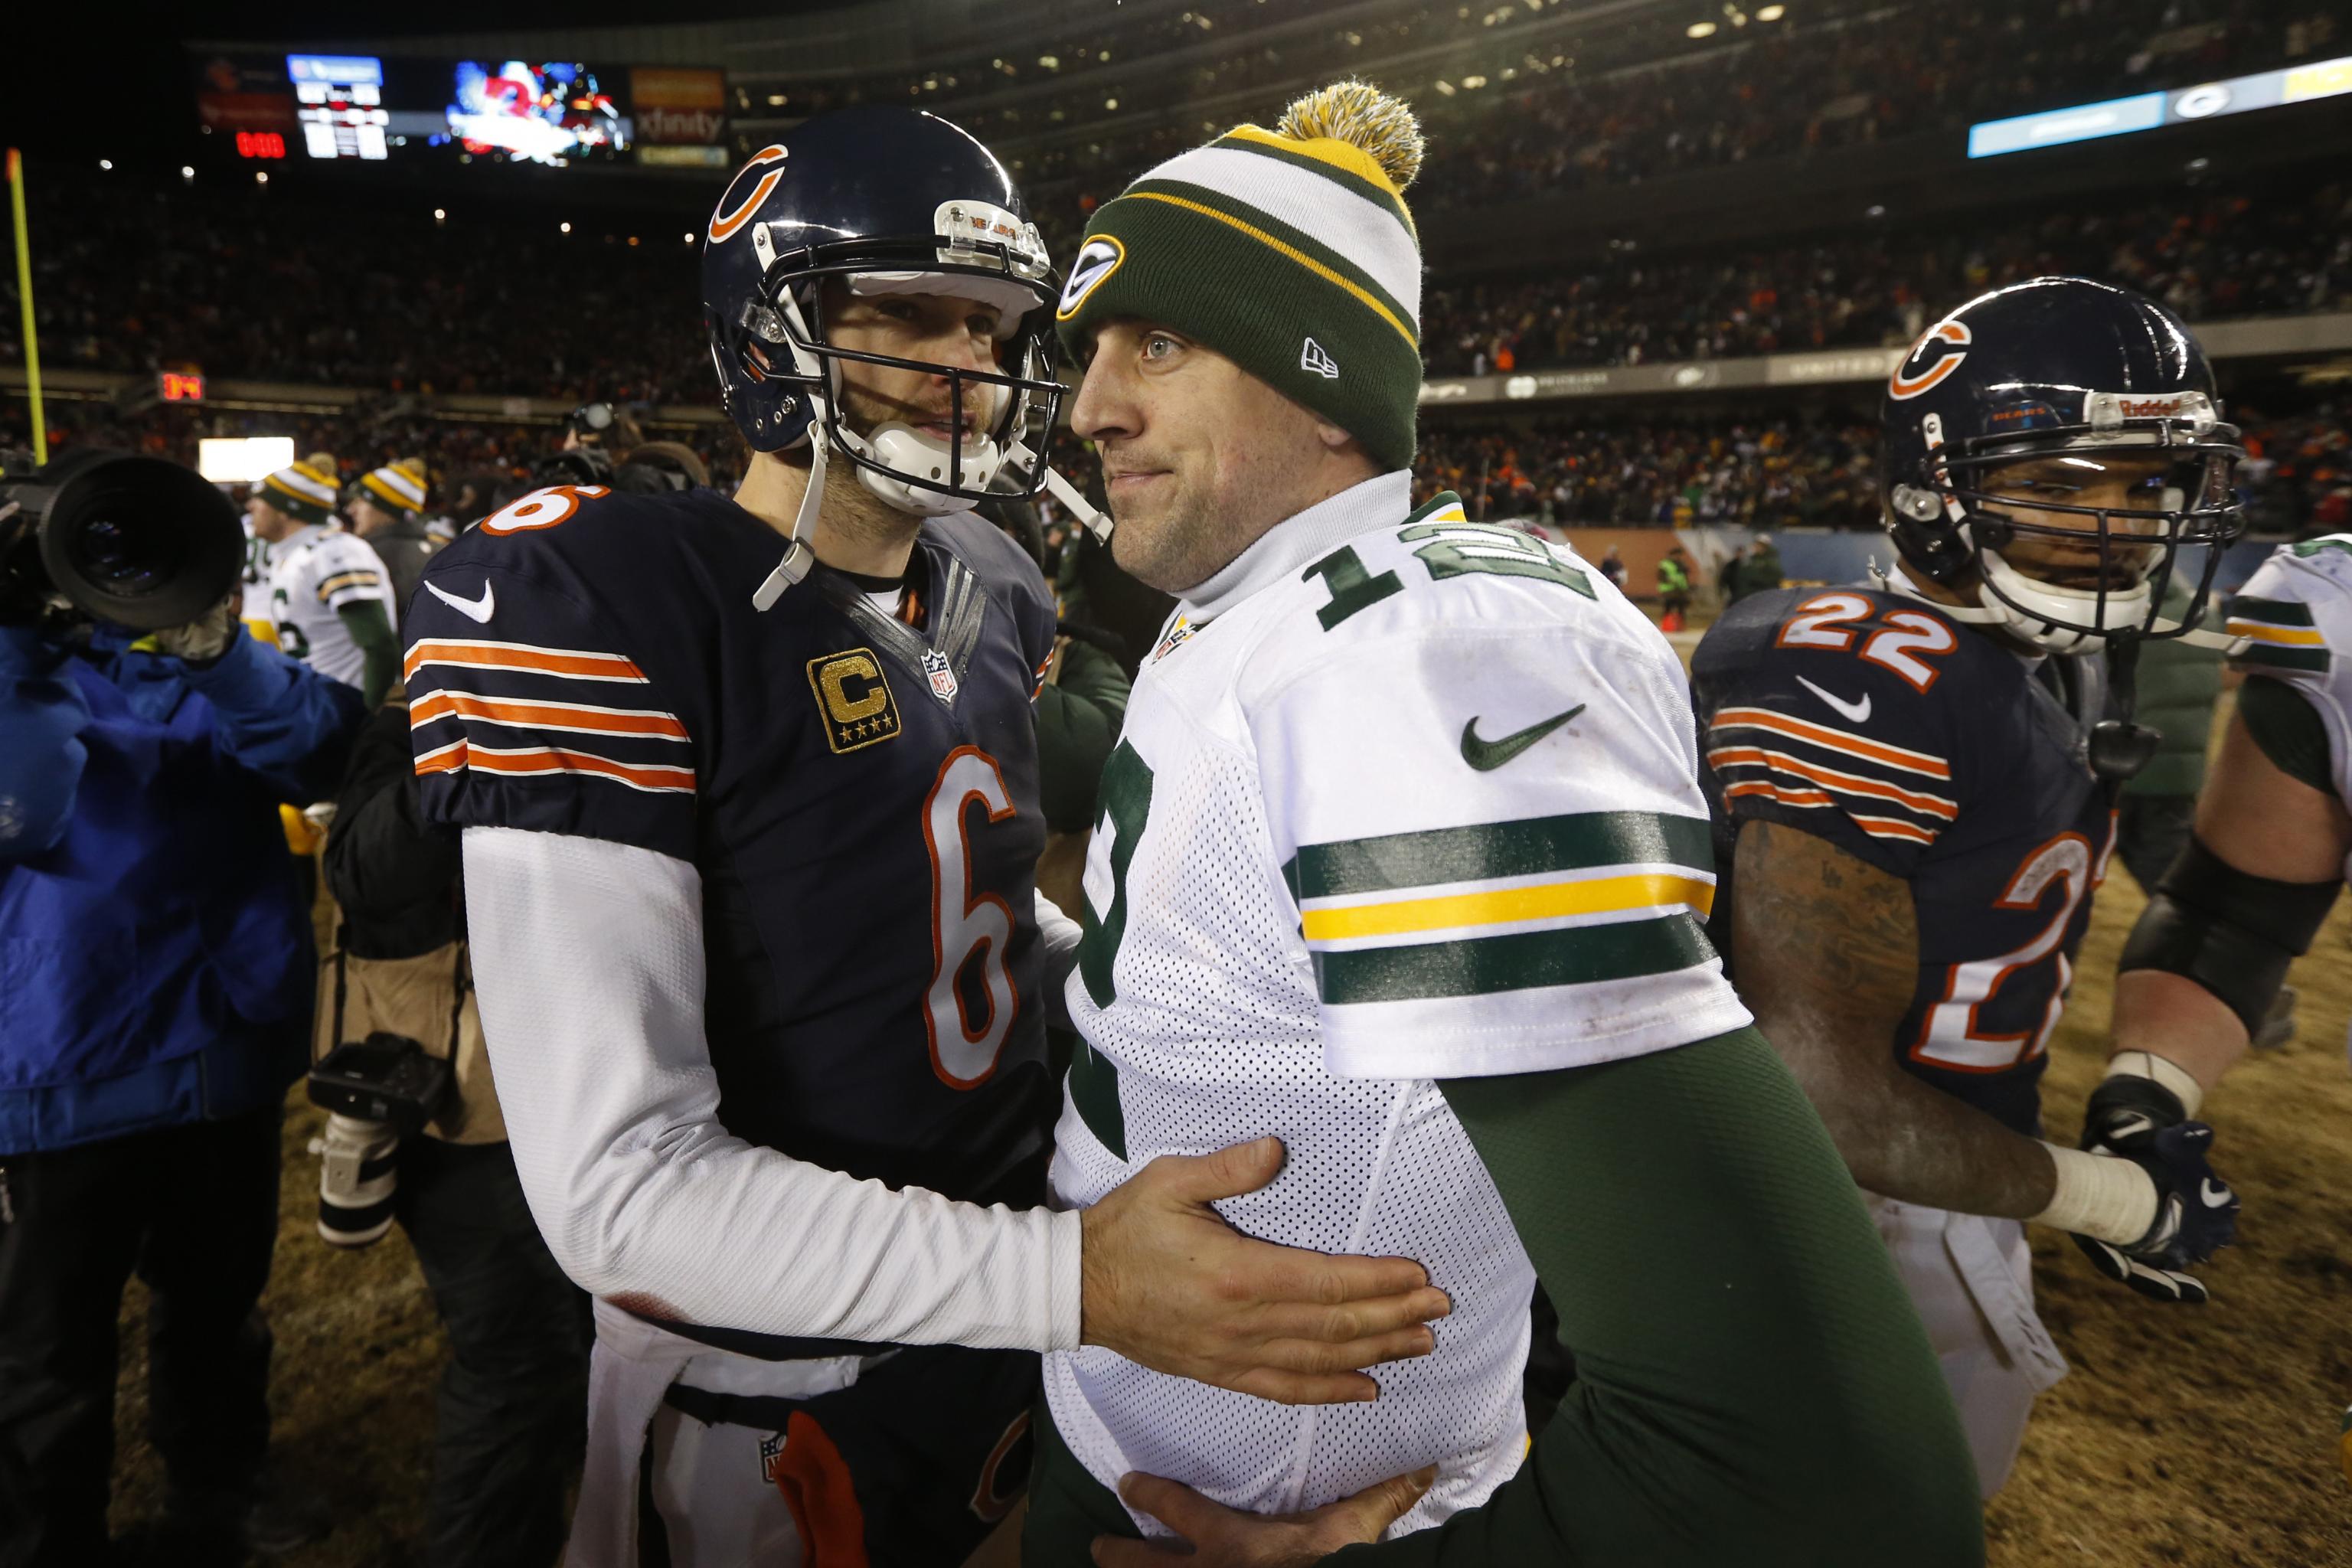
<point>1826,621</point>
<point>1953,1035</point>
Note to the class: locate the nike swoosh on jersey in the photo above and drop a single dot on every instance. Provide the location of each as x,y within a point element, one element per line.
<point>1856,712</point>
<point>479,609</point>
<point>1488,755</point>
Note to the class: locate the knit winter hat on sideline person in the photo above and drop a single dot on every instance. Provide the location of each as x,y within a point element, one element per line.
<point>304,492</point>
<point>398,488</point>
<point>1289,252</point>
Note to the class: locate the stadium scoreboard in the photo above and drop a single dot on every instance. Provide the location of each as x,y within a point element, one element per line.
<point>333,108</point>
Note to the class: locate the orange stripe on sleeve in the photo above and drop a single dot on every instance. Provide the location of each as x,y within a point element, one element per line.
<point>521,657</point>
<point>1845,783</point>
<point>582,717</point>
<point>1834,739</point>
<point>528,762</point>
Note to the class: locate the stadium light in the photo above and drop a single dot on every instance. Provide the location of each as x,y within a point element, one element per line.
<point>565,227</point>
<point>1771,13</point>
<point>1445,88</point>
<point>261,177</point>
<point>440,215</point>
<point>1699,30</point>
<point>186,172</point>
<point>775,100</point>
<point>106,163</point>
<point>632,239</point>
<point>1110,103</point>
<point>690,236</point>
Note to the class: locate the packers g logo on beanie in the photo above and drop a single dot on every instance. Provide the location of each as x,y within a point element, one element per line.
<point>1097,260</point>
<point>1289,252</point>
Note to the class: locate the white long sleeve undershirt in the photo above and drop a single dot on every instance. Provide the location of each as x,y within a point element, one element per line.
<point>588,959</point>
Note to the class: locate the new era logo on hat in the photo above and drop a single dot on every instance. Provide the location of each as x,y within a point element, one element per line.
<point>1313,360</point>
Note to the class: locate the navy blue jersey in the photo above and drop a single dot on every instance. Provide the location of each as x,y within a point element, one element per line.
<point>1937,755</point>
<point>859,796</point>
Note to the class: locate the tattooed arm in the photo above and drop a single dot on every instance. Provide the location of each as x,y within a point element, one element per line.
<point>1826,949</point>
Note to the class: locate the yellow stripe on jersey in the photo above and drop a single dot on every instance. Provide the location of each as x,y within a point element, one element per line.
<point>359,578</point>
<point>1505,906</point>
<point>2257,631</point>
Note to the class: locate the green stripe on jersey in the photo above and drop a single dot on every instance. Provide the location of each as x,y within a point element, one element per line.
<point>1483,852</point>
<point>2273,656</point>
<point>2276,612</point>
<point>1621,950</point>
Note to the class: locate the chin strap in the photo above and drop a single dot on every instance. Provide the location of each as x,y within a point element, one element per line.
<point>798,557</point>
<point>1061,490</point>
<point>1979,615</point>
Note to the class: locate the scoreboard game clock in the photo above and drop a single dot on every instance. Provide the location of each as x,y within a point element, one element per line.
<point>340,103</point>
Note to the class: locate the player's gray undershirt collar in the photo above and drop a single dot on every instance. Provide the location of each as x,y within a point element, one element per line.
<point>1381,502</point>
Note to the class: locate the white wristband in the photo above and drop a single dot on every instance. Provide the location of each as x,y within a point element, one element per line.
<point>2148,1065</point>
<point>2100,1195</point>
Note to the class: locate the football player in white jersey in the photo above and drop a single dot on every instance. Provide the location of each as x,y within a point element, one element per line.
<point>328,592</point>
<point>1402,859</point>
<point>2272,847</point>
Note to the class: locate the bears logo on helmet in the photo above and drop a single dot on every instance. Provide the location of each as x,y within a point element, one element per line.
<point>1945,345</point>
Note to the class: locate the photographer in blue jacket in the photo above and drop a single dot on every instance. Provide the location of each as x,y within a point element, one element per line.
<point>156,980</point>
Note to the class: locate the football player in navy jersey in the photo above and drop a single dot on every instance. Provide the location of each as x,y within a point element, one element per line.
<point>1913,792</point>
<point>750,799</point>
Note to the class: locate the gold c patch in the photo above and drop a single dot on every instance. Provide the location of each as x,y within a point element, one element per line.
<point>853,698</point>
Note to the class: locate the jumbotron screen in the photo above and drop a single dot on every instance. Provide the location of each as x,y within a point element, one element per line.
<point>369,108</point>
<point>545,113</point>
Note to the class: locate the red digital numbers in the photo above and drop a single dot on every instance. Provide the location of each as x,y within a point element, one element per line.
<point>261,145</point>
<point>180,386</point>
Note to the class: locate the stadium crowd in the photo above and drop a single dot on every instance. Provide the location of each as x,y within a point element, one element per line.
<point>1644,100</point>
<point>1811,468</point>
<point>501,307</point>
<point>2216,256</point>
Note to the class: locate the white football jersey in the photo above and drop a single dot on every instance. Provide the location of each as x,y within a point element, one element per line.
<point>314,573</point>
<point>1399,798</point>
<point>257,610</point>
<point>2296,613</point>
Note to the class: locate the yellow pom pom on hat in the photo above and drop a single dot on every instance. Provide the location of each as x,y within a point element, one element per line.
<point>396,487</point>
<point>1289,252</point>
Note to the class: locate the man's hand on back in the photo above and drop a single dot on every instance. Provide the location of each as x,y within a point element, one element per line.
<point>1170,1285</point>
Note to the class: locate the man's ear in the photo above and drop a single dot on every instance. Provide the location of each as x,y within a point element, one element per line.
<point>1334,439</point>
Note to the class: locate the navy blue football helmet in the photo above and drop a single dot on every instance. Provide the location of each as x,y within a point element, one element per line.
<point>884,200</point>
<point>2082,372</point>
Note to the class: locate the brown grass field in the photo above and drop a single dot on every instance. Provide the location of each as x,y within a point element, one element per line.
<point>2204,1438</point>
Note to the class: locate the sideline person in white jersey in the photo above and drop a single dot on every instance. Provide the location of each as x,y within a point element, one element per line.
<point>328,592</point>
<point>1402,859</point>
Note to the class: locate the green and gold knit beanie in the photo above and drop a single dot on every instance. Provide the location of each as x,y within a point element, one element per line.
<point>304,492</point>
<point>398,488</point>
<point>1289,252</point>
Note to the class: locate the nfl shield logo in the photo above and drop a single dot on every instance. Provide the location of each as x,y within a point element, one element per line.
<point>943,681</point>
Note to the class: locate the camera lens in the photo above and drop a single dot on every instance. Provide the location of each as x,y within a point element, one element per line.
<point>126,555</point>
<point>141,542</point>
<point>358,1174</point>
